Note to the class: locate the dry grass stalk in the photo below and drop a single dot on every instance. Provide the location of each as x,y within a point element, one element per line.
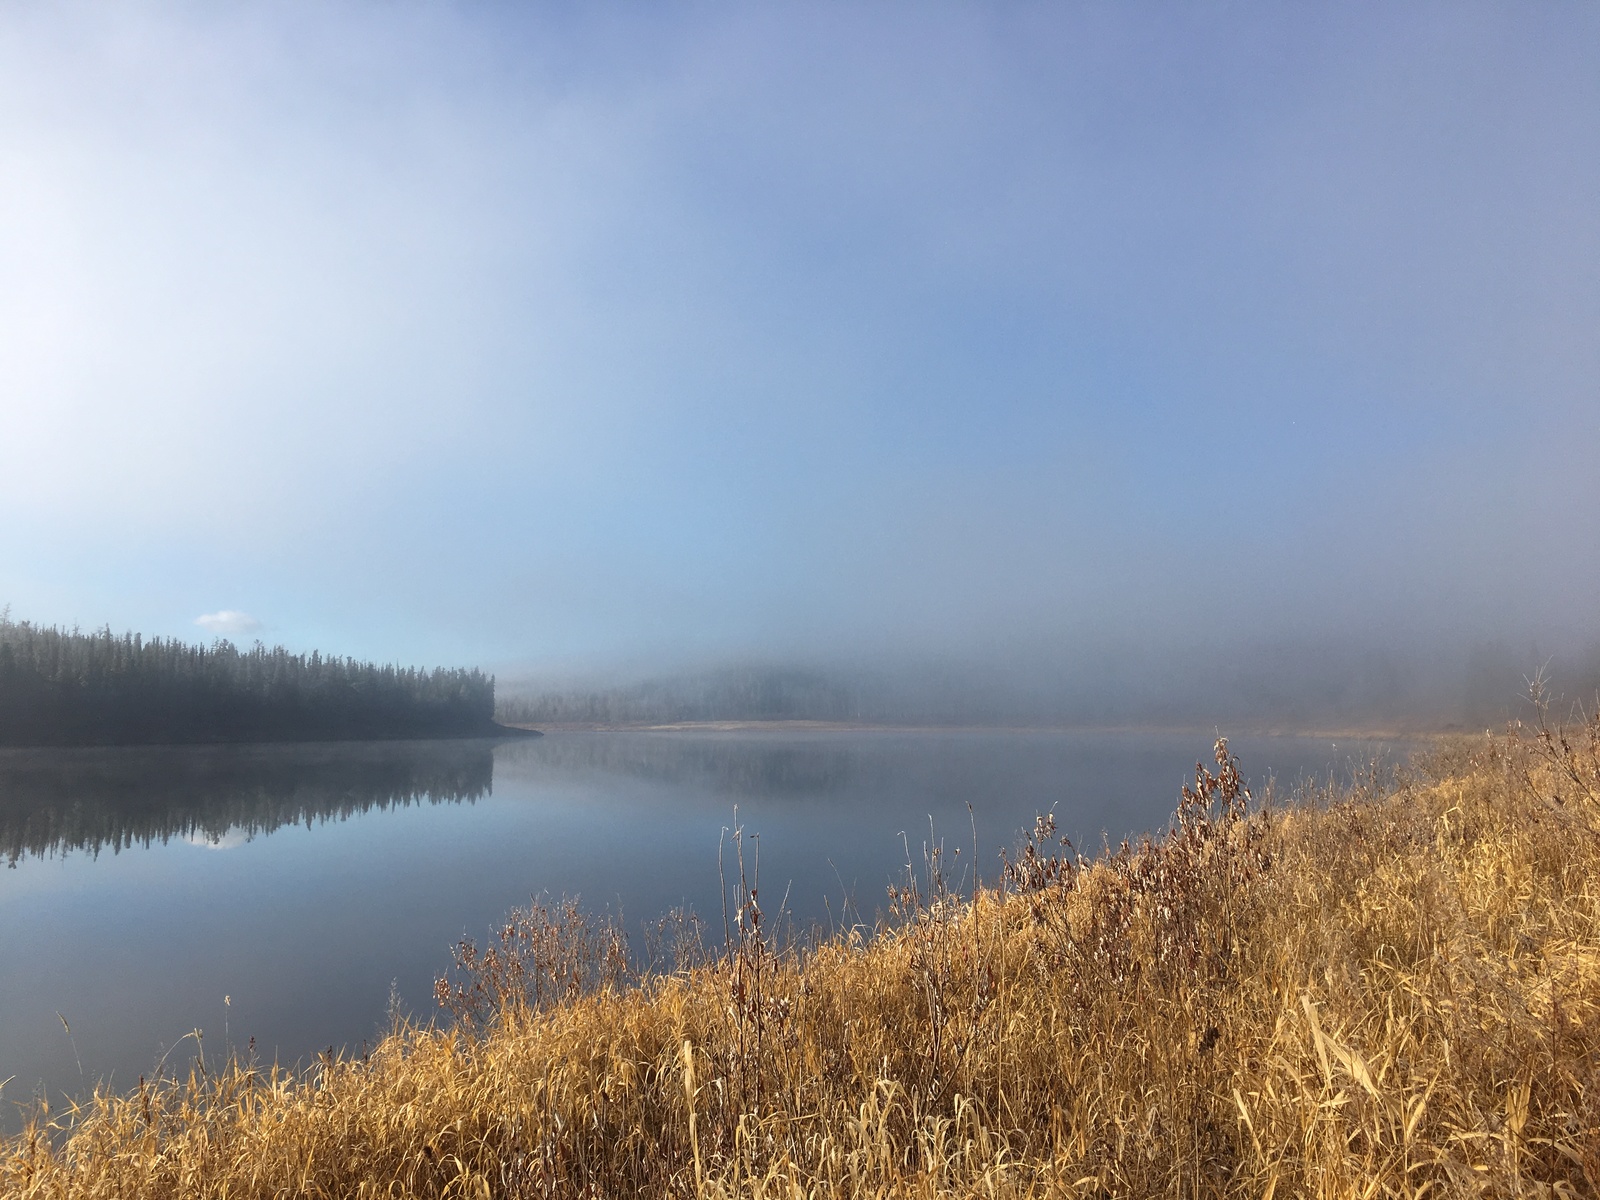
<point>1393,994</point>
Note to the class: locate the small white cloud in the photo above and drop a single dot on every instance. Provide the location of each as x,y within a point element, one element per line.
<point>218,841</point>
<point>228,621</point>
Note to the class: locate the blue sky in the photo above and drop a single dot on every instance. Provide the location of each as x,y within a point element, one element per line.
<point>587,338</point>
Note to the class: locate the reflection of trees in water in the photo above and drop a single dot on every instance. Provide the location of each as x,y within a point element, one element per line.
<point>732,765</point>
<point>53,801</point>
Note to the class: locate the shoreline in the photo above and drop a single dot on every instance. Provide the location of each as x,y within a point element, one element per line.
<point>1425,733</point>
<point>496,732</point>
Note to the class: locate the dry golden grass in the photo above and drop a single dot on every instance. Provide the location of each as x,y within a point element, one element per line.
<point>1395,992</point>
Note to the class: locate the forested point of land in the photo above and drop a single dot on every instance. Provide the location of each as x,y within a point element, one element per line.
<point>68,688</point>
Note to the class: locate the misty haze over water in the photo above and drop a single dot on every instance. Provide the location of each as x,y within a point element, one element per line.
<point>1087,363</point>
<point>1286,690</point>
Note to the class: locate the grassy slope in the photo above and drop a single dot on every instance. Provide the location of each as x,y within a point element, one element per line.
<point>1395,994</point>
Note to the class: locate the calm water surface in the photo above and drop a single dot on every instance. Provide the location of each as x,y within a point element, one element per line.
<point>306,885</point>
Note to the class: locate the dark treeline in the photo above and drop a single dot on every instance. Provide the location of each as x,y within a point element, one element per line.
<point>110,798</point>
<point>61,688</point>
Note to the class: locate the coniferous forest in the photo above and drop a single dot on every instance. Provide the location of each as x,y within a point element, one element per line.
<point>67,688</point>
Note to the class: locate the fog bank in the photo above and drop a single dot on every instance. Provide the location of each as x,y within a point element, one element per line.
<point>1105,360</point>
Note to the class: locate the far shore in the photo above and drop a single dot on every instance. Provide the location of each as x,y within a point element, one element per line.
<point>1421,732</point>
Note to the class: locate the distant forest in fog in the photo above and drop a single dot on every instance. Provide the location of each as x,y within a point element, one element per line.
<point>1288,688</point>
<point>67,688</point>
<point>740,695</point>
